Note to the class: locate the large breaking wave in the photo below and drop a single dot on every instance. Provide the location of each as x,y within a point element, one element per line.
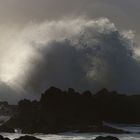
<point>82,54</point>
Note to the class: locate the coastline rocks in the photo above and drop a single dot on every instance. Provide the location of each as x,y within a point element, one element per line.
<point>5,128</point>
<point>3,138</point>
<point>27,138</point>
<point>20,138</point>
<point>106,138</point>
<point>60,111</point>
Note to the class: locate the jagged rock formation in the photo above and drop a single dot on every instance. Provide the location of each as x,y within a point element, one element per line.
<point>106,138</point>
<point>6,111</point>
<point>3,138</point>
<point>27,138</point>
<point>60,111</point>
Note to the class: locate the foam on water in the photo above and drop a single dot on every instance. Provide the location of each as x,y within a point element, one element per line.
<point>73,136</point>
<point>135,135</point>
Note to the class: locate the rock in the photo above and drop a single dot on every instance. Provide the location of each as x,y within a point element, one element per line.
<point>3,138</point>
<point>4,128</point>
<point>60,111</point>
<point>106,138</point>
<point>27,138</point>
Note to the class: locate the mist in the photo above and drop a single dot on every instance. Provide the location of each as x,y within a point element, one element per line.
<point>79,53</point>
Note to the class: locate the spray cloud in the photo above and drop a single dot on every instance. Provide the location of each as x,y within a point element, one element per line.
<point>79,53</point>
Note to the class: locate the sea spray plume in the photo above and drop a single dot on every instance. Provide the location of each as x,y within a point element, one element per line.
<point>91,55</point>
<point>83,54</point>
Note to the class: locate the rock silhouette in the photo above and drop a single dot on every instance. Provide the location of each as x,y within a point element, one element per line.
<point>106,138</point>
<point>60,111</point>
<point>27,138</point>
<point>3,138</point>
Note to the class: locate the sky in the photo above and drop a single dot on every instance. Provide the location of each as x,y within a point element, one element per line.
<point>124,13</point>
<point>39,36</point>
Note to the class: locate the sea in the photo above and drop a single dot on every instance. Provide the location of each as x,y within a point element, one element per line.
<point>134,129</point>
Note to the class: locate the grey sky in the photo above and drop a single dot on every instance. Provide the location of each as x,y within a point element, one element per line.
<point>124,13</point>
<point>52,9</point>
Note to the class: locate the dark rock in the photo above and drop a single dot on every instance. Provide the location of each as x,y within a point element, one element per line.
<point>27,138</point>
<point>106,138</point>
<point>61,111</point>
<point>5,128</point>
<point>3,138</point>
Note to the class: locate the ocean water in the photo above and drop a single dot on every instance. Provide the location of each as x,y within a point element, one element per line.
<point>73,136</point>
<point>135,129</point>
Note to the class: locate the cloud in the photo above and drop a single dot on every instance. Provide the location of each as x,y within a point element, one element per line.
<point>79,53</point>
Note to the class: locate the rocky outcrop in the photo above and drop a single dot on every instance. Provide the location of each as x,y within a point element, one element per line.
<point>3,138</point>
<point>61,111</point>
<point>5,128</point>
<point>27,138</point>
<point>106,138</point>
